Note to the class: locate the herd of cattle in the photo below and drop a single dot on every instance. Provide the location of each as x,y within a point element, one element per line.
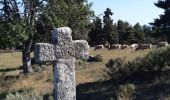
<point>135,47</point>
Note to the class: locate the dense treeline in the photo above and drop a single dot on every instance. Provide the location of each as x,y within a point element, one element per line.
<point>105,31</point>
<point>162,24</point>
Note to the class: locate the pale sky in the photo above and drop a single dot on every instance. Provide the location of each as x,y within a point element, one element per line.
<point>133,11</point>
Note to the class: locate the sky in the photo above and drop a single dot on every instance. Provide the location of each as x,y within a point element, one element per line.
<point>133,11</point>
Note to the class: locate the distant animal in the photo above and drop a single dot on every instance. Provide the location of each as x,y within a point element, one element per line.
<point>107,46</point>
<point>124,46</point>
<point>162,44</point>
<point>99,47</point>
<point>134,46</point>
<point>144,46</point>
<point>115,46</point>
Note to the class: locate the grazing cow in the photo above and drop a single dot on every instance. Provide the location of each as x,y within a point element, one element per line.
<point>134,46</point>
<point>144,46</point>
<point>124,46</point>
<point>107,46</point>
<point>115,46</point>
<point>162,44</point>
<point>98,47</point>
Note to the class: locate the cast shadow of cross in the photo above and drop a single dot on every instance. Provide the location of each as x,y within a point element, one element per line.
<point>63,52</point>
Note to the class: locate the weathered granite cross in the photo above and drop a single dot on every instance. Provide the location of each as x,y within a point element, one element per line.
<point>63,52</point>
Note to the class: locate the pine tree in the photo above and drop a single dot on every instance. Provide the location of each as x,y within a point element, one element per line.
<point>162,24</point>
<point>138,33</point>
<point>96,35</point>
<point>130,36</point>
<point>122,28</point>
<point>110,31</point>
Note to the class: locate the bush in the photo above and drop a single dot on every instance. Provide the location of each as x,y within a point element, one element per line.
<point>23,96</point>
<point>115,68</point>
<point>125,92</point>
<point>97,58</point>
<point>154,62</point>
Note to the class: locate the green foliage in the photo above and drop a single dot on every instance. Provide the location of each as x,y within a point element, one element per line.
<point>23,96</point>
<point>122,28</point>
<point>72,13</point>
<point>139,33</point>
<point>155,62</point>
<point>109,29</point>
<point>11,34</point>
<point>115,67</point>
<point>96,34</point>
<point>45,16</point>
<point>98,58</point>
<point>129,34</point>
<point>162,24</point>
<point>126,91</point>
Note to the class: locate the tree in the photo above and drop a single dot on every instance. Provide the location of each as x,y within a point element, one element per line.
<point>10,34</point>
<point>75,14</point>
<point>33,21</point>
<point>16,22</point>
<point>130,36</point>
<point>122,28</point>
<point>162,24</point>
<point>138,33</point>
<point>109,29</point>
<point>96,34</point>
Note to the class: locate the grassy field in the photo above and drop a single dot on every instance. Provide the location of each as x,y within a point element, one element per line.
<point>10,60</point>
<point>41,82</point>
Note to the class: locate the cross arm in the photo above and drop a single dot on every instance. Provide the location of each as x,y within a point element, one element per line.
<point>81,49</point>
<point>43,52</point>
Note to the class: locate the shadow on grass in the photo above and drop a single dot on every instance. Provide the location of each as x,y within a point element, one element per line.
<point>153,92</point>
<point>10,69</point>
<point>146,88</point>
<point>96,91</point>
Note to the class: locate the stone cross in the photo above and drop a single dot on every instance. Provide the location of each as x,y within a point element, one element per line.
<point>63,52</point>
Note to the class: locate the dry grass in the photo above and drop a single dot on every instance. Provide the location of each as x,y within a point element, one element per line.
<point>10,60</point>
<point>128,54</point>
<point>85,72</point>
<point>39,82</point>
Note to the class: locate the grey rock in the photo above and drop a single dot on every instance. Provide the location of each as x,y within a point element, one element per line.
<point>63,51</point>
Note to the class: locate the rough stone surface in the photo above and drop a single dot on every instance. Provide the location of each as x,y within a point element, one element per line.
<point>64,79</point>
<point>63,47</point>
<point>63,51</point>
<point>43,52</point>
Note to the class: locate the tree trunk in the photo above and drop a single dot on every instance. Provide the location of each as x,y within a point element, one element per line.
<point>29,14</point>
<point>26,57</point>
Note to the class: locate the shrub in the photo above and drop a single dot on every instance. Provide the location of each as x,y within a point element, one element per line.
<point>23,96</point>
<point>115,68</point>
<point>97,58</point>
<point>36,68</point>
<point>152,63</point>
<point>155,61</point>
<point>126,92</point>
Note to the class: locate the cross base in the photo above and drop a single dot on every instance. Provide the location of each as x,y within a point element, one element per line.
<point>64,79</point>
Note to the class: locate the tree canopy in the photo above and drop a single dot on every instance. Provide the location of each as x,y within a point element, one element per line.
<point>162,24</point>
